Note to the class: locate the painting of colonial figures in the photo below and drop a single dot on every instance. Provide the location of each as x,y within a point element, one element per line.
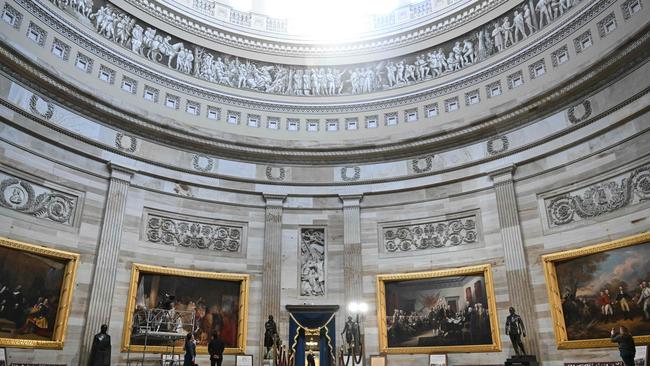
<point>166,304</point>
<point>312,261</point>
<point>440,311</point>
<point>597,288</point>
<point>36,286</point>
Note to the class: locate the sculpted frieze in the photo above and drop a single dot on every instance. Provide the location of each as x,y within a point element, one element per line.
<point>193,232</point>
<point>36,200</point>
<point>227,70</point>
<point>600,198</point>
<point>436,233</point>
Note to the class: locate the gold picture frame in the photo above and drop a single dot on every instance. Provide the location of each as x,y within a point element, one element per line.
<point>550,262</point>
<point>139,269</point>
<point>69,262</point>
<point>484,271</point>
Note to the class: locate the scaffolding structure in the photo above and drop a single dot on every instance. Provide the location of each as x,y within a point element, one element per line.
<point>160,330</point>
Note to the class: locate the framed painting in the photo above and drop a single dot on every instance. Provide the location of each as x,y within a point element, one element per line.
<point>596,288</point>
<point>36,285</point>
<point>451,310</point>
<point>165,304</point>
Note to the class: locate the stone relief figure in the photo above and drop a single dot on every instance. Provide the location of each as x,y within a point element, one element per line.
<point>312,262</point>
<point>542,7</point>
<point>528,19</point>
<point>468,52</point>
<point>519,25</point>
<point>508,40</point>
<point>497,36</point>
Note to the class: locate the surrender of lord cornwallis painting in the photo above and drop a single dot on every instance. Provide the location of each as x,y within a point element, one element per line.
<point>449,310</point>
<point>36,286</point>
<point>165,304</point>
<point>600,287</point>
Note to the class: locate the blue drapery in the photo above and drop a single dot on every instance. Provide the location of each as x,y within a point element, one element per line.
<point>313,320</point>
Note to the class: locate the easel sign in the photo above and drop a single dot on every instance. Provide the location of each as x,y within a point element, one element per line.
<point>437,360</point>
<point>377,360</point>
<point>244,360</point>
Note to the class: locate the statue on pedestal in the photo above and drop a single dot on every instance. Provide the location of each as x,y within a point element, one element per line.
<point>270,335</point>
<point>100,354</point>
<point>515,329</point>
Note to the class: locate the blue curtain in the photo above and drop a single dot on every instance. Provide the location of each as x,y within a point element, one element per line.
<point>297,336</point>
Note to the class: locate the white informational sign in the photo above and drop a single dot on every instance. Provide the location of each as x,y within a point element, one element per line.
<point>244,360</point>
<point>437,360</point>
<point>377,360</point>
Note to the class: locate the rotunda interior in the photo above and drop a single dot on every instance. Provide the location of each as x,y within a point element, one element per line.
<point>324,183</point>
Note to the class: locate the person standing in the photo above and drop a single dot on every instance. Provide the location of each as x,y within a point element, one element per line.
<point>515,329</point>
<point>644,300</point>
<point>623,299</point>
<point>100,353</point>
<point>626,345</point>
<point>190,350</point>
<point>311,360</point>
<point>215,349</point>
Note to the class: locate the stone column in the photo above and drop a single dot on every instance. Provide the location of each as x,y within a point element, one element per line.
<point>103,281</point>
<point>352,266</point>
<point>272,261</point>
<point>519,285</point>
<point>533,14</point>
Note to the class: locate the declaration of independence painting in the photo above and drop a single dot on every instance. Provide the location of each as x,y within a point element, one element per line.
<point>597,288</point>
<point>35,293</point>
<point>166,303</point>
<point>449,310</point>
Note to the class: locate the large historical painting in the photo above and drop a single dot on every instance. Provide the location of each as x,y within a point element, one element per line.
<point>441,311</point>
<point>597,288</point>
<point>36,286</point>
<point>165,304</point>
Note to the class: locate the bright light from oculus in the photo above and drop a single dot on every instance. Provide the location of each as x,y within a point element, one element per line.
<point>357,307</point>
<point>331,20</point>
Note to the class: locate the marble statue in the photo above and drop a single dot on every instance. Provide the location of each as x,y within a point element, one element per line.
<point>528,19</point>
<point>497,36</point>
<point>508,40</point>
<point>469,57</point>
<point>519,25</point>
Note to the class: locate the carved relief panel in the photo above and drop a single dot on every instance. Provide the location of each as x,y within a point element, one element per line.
<point>429,233</point>
<point>224,237</point>
<point>311,261</point>
<point>37,200</point>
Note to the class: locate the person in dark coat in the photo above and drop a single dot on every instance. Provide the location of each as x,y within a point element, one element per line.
<point>215,349</point>
<point>311,360</point>
<point>100,353</point>
<point>626,345</point>
<point>190,350</point>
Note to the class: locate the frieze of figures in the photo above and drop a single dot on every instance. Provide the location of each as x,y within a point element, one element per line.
<point>36,200</point>
<point>430,234</point>
<point>469,49</point>
<point>600,198</point>
<point>312,261</point>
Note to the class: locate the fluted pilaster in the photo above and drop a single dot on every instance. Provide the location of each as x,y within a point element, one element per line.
<point>519,285</point>
<point>352,265</point>
<point>101,295</point>
<point>272,260</point>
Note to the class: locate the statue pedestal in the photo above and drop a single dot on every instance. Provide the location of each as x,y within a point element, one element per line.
<point>525,360</point>
<point>267,362</point>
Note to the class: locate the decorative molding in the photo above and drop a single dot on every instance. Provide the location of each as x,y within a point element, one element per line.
<point>350,178</point>
<point>416,164</point>
<point>278,178</point>
<point>34,107</point>
<point>194,232</point>
<point>602,24</point>
<point>497,145</point>
<point>36,200</point>
<point>597,199</point>
<point>202,163</point>
<point>426,234</point>
<point>583,109</point>
<point>583,37</point>
<point>13,14</point>
<point>312,254</point>
<point>130,145</point>
<point>626,8</point>
<point>555,56</point>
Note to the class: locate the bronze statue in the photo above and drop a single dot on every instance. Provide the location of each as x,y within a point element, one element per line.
<point>270,334</point>
<point>515,329</point>
<point>100,354</point>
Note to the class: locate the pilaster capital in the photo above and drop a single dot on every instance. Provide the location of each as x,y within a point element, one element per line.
<point>274,200</point>
<point>120,172</point>
<point>502,175</point>
<point>351,200</point>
